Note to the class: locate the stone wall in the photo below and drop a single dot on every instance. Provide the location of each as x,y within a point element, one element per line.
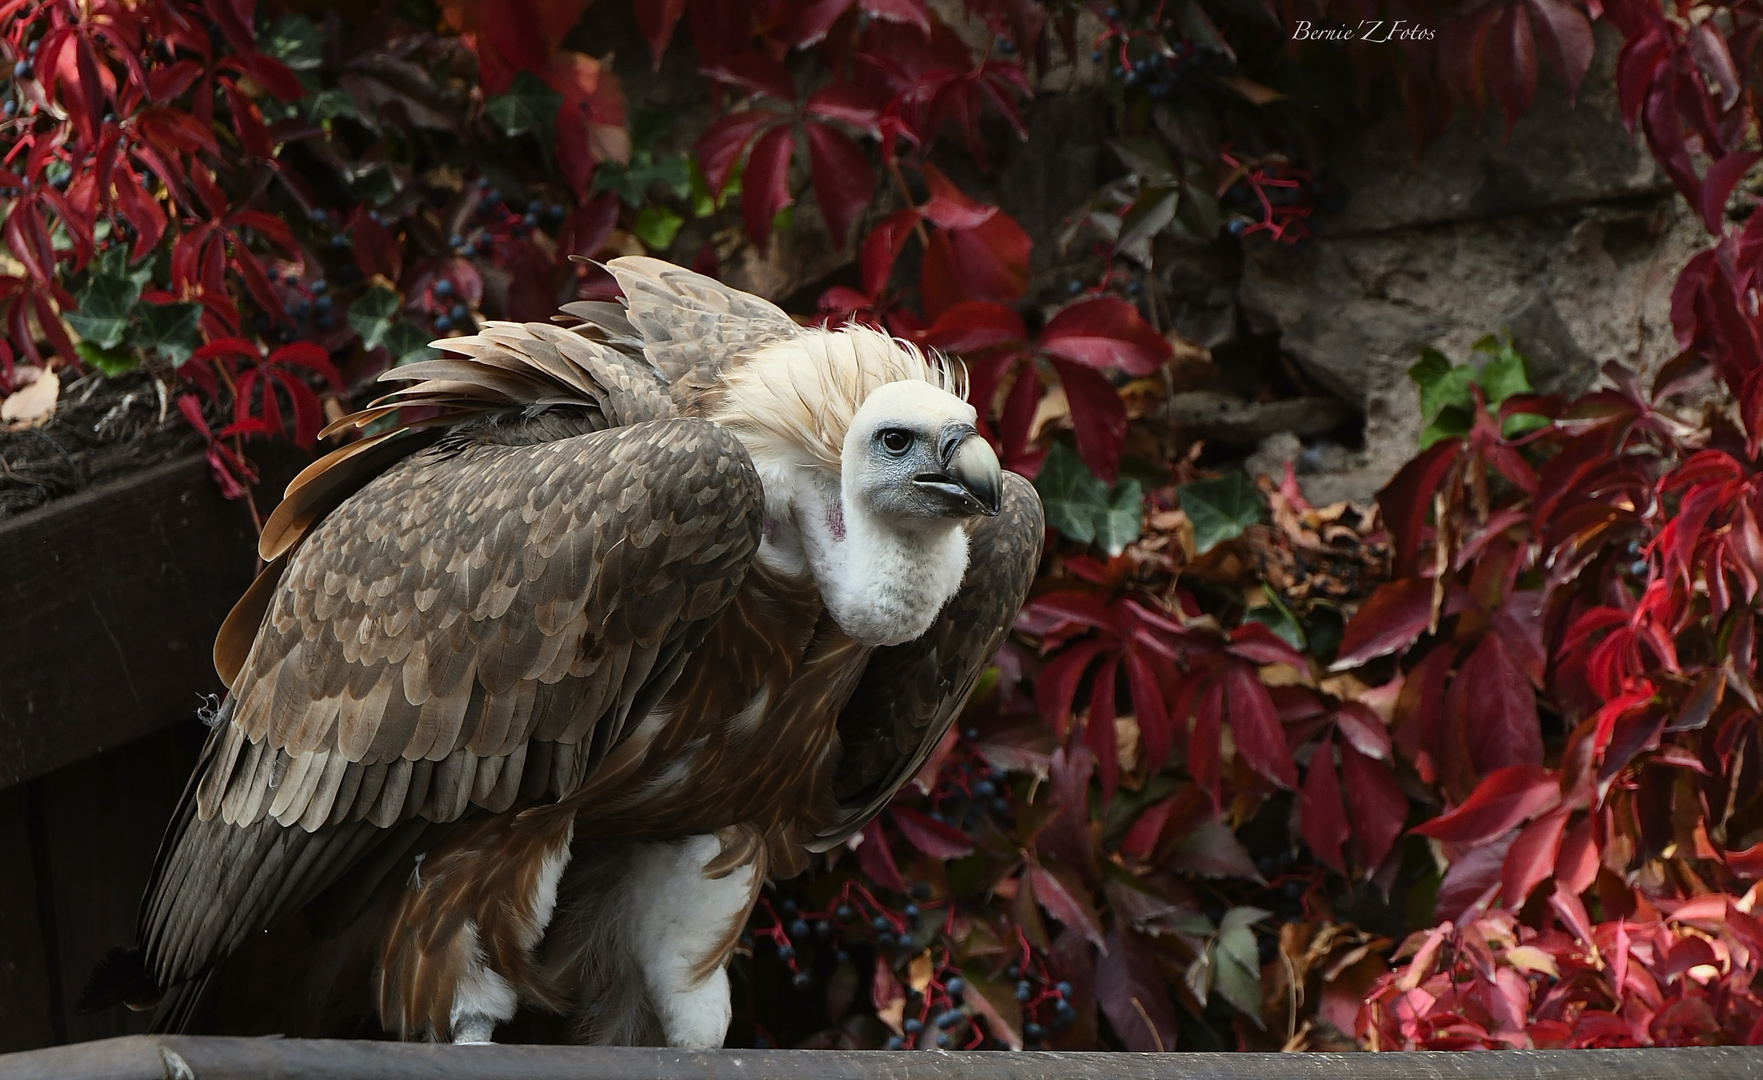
<point>1567,236</point>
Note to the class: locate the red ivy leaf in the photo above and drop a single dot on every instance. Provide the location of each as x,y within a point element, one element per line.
<point>974,326</point>
<point>1391,620</point>
<point>929,835</point>
<point>1567,38</point>
<point>1504,798</point>
<point>1104,333</point>
<point>1362,729</point>
<point>719,149</point>
<point>1502,726</point>
<point>1100,732</point>
<point>844,102</point>
<point>876,860</point>
<point>1255,725</point>
<point>1717,185</point>
<point>756,73</point>
<point>1058,681</point>
<point>1148,706</point>
<point>765,186</point>
<point>1407,499</point>
<point>1203,742</point>
<point>912,12</point>
<point>1576,866</point>
<point>1376,803</point>
<point>1512,63</point>
<point>1324,817</point>
<point>1130,990</point>
<point>844,181</point>
<point>882,247</point>
<point>1098,417</point>
<point>1141,839</point>
<point>376,249</point>
<point>1531,858</point>
<point>1067,900</point>
<point>656,19</point>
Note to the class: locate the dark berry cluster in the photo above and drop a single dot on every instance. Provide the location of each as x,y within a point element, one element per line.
<point>501,217</point>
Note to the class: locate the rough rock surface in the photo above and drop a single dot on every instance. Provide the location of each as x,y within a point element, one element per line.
<point>1567,237</point>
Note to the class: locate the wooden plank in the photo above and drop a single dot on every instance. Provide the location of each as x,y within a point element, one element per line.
<point>109,607</point>
<point>103,818</point>
<point>26,1007</point>
<point>156,1057</point>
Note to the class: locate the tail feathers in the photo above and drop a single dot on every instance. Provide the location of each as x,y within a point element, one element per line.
<point>120,979</point>
<point>183,1005</point>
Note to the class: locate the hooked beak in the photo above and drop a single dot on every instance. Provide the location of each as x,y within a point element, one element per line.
<point>971,480</point>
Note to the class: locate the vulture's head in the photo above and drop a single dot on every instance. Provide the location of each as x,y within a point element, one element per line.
<point>872,468</point>
<point>913,456</point>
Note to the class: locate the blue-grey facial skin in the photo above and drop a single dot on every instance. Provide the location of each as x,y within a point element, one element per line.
<point>950,472</point>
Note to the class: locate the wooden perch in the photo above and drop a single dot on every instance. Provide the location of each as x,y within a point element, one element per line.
<point>149,1057</point>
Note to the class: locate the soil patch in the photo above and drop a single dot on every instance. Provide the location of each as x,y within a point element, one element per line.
<point>102,428</point>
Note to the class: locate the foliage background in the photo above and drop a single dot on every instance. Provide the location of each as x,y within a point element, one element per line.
<point>1474,768</point>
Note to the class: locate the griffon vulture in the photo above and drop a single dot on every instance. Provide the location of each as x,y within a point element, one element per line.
<point>537,690</point>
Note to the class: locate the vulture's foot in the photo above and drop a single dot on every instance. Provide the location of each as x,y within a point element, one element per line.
<point>474,1029</point>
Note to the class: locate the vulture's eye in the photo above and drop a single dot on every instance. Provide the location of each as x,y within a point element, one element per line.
<point>895,441</point>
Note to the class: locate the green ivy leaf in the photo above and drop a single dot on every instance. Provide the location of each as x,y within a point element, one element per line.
<point>1237,962</point>
<point>1442,385</point>
<point>172,330</point>
<point>1149,214</point>
<point>295,41</point>
<point>1277,617</point>
<point>1503,376</point>
<point>1070,494</point>
<point>1084,509</point>
<point>1121,517</point>
<point>407,344</point>
<point>329,104</point>
<point>1221,509</point>
<point>108,298</point>
<point>112,362</point>
<point>1519,423</point>
<point>371,316</point>
<point>1146,158</point>
<point>1452,420</point>
<point>656,226</point>
<point>528,106</point>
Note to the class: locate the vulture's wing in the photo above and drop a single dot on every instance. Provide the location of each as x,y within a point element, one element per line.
<point>910,693</point>
<point>477,625</point>
<point>691,325</point>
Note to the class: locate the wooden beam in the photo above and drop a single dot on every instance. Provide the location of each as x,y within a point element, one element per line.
<point>109,605</point>
<point>142,1057</point>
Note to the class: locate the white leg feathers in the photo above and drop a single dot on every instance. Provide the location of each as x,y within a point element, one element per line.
<point>645,937</point>
<point>684,924</point>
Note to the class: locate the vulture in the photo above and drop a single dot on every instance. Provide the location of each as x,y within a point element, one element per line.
<point>618,617</point>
